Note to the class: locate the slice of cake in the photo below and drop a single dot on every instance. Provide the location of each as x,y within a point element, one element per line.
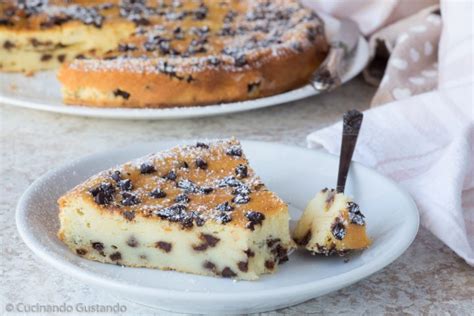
<point>332,224</point>
<point>199,209</point>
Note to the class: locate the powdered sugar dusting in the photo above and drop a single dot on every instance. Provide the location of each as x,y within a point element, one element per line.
<point>237,41</point>
<point>194,183</point>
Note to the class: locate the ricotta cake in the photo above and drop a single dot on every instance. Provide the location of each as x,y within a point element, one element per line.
<point>198,209</point>
<point>157,53</point>
<point>332,224</point>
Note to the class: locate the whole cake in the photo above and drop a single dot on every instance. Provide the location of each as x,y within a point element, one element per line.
<point>199,209</point>
<point>138,53</point>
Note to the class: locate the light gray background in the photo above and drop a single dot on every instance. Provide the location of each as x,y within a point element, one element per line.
<point>428,278</point>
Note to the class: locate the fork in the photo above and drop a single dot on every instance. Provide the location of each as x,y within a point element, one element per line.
<point>344,41</point>
<point>327,77</point>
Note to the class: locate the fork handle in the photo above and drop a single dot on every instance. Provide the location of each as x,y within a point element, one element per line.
<point>351,123</point>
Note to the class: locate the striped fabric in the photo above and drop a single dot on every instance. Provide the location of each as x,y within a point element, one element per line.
<point>426,142</point>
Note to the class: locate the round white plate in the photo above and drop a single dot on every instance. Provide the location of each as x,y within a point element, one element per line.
<point>42,92</point>
<point>294,173</point>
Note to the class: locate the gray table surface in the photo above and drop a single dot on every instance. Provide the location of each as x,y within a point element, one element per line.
<point>428,279</point>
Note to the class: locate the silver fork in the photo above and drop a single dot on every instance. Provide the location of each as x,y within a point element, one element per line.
<point>327,76</point>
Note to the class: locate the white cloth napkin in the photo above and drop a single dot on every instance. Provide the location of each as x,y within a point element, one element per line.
<point>426,142</point>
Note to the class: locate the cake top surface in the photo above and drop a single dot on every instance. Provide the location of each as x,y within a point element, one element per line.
<point>188,185</point>
<point>188,33</point>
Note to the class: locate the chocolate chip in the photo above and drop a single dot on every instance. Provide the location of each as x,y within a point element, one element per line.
<point>272,242</point>
<point>61,58</point>
<point>184,165</point>
<point>305,240</point>
<point>201,164</point>
<point>255,218</point>
<point>121,93</point>
<point>240,60</point>
<point>229,181</point>
<point>228,273</point>
<point>141,22</point>
<point>126,47</point>
<point>229,17</point>
<point>196,47</point>
<point>187,221</point>
<point>241,171</point>
<point>270,265</point>
<point>132,242</point>
<point>280,252</point>
<point>226,30</point>
<point>116,256</point>
<point>178,33</point>
<point>54,21</point>
<point>163,245</point>
<point>173,212</point>
<point>103,194</point>
<point>243,266</point>
<point>225,207</point>
<point>129,199</point>
<point>223,218</point>
<point>158,193</point>
<point>8,45</point>
<point>98,246</point>
<point>170,175</point>
<point>209,265</point>
<point>147,168</point>
<point>6,22</point>
<point>214,61</point>
<point>208,241</point>
<point>202,145</point>
<point>234,151</point>
<point>200,247</point>
<point>46,57</point>
<point>35,42</point>
<point>125,185</point>
<point>81,252</point>
<point>249,253</point>
<point>241,190</point>
<point>187,185</point>
<point>129,215</point>
<point>198,219</point>
<point>182,198</point>
<point>201,12</point>
<point>116,176</point>
<point>241,199</point>
<point>338,229</point>
<point>355,215</point>
<point>283,259</point>
<point>206,190</point>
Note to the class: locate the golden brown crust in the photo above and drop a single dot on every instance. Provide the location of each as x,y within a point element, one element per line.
<point>217,172</point>
<point>210,86</point>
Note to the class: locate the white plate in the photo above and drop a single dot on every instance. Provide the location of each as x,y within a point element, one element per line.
<point>294,173</point>
<point>42,92</point>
